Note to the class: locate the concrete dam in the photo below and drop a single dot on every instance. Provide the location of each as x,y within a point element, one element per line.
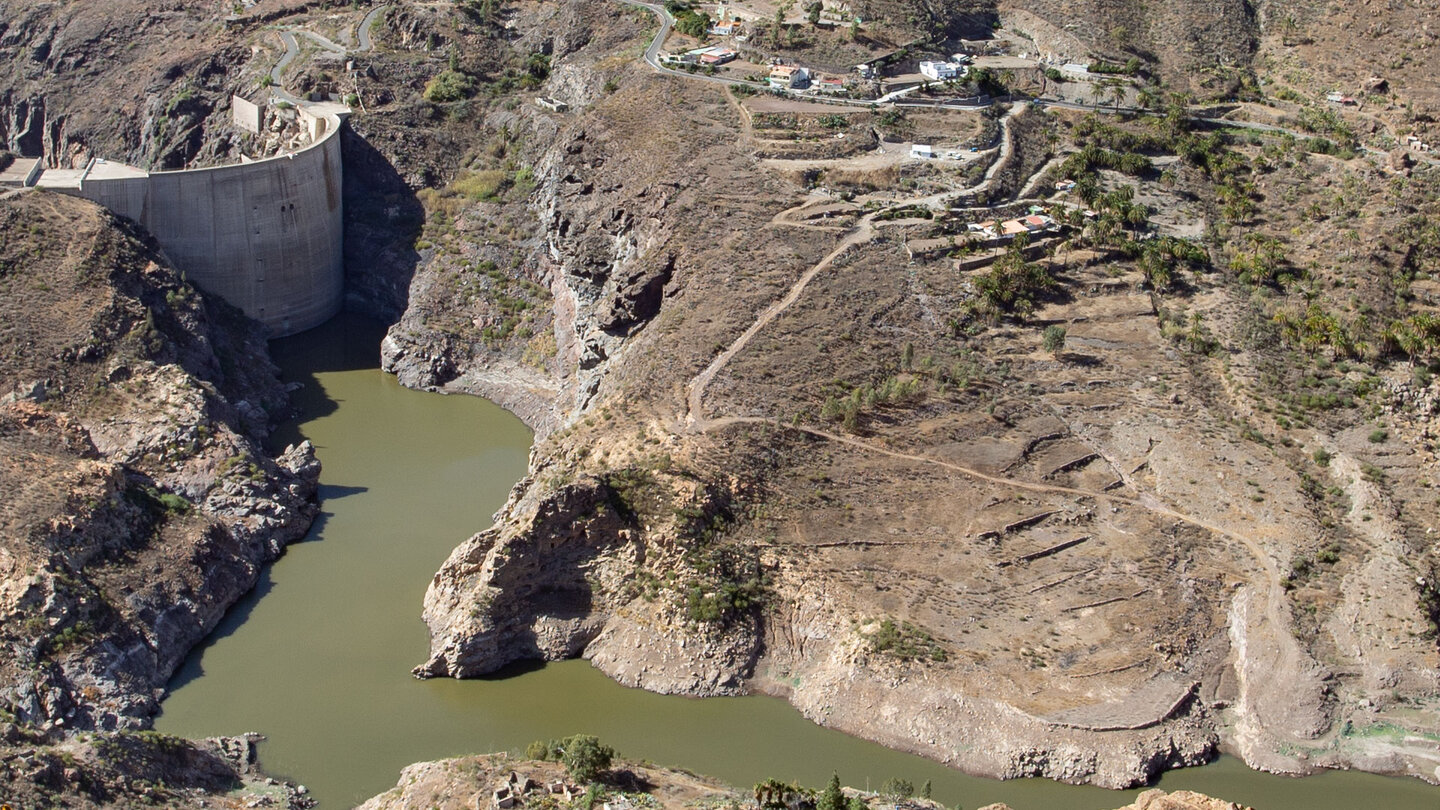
<point>265,235</point>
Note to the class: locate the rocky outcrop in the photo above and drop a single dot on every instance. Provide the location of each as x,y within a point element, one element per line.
<point>129,769</point>
<point>1160,800</point>
<point>142,503</point>
<point>526,594</point>
<point>559,577</point>
<point>467,782</point>
<point>464,783</point>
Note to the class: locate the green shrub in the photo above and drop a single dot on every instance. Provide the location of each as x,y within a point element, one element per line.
<point>905,641</point>
<point>1379,435</point>
<point>899,788</point>
<point>448,86</point>
<point>584,757</point>
<point>1054,339</point>
<point>485,185</point>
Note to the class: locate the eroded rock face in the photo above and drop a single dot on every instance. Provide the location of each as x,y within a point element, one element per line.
<point>141,504</point>
<point>558,582</point>
<point>1160,800</point>
<point>130,769</point>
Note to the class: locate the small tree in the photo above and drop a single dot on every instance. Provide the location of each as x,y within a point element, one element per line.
<point>832,798</point>
<point>1054,339</point>
<point>584,757</point>
<point>899,788</point>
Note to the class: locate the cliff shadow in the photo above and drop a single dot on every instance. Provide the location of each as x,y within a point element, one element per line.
<point>383,218</point>
<point>192,666</point>
<point>347,342</point>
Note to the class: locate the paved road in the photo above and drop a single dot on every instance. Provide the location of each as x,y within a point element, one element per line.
<point>362,36</point>
<point>292,50</point>
<point>327,44</point>
<point>277,73</point>
<point>652,53</point>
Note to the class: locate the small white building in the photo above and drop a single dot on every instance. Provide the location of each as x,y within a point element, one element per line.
<point>941,71</point>
<point>923,151</point>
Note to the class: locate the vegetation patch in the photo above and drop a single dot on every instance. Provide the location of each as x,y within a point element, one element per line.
<point>903,641</point>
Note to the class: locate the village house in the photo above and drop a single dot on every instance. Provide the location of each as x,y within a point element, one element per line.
<point>941,71</point>
<point>830,84</point>
<point>726,28</point>
<point>789,77</point>
<point>923,151</point>
<point>1010,228</point>
<point>718,56</point>
<point>712,55</point>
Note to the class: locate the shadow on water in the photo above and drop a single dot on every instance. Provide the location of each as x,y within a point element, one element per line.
<point>515,670</point>
<point>304,358</point>
<point>330,492</point>
<point>192,667</point>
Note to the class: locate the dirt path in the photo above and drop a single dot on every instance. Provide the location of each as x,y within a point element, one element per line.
<point>694,418</point>
<point>863,232</point>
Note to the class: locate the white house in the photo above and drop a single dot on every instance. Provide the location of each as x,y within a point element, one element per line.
<point>941,71</point>
<point>921,150</point>
<point>789,77</point>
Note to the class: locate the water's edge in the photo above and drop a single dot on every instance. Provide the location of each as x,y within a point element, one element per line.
<point>318,656</point>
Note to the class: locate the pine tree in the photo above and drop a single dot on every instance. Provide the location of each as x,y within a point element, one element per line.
<point>832,798</point>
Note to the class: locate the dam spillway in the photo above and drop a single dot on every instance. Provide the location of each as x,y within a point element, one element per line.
<point>265,235</point>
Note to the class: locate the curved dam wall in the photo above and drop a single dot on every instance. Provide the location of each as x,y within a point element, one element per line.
<point>267,236</point>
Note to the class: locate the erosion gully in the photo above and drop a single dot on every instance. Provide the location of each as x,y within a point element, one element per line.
<point>318,657</point>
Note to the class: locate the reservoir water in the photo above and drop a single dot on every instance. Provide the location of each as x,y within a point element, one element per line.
<point>318,658</point>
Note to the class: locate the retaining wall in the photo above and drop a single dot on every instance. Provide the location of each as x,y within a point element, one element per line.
<point>267,236</point>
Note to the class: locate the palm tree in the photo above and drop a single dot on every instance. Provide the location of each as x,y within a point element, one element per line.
<point>1117,94</point>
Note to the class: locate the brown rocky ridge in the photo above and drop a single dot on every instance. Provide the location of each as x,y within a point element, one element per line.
<point>794,436</point>
<point>139,504</point>
<point>464,783</point>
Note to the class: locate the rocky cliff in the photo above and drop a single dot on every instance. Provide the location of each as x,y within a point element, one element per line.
<point>134,769</point>
<point>140,504</point>
<point>1074,565</point>
<point>464,782</point>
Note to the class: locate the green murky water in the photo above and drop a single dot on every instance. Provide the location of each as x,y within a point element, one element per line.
<point>318,657</point>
